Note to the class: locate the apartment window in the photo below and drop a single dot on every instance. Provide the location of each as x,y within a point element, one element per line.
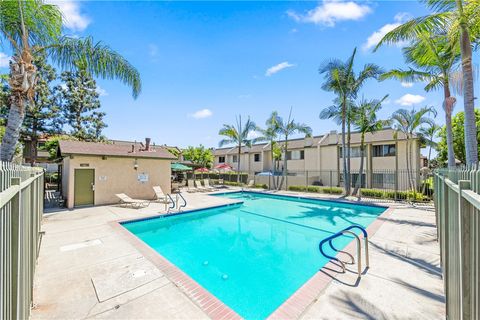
<point>355,152</point>
<point>296,155</point>
<point>221,159</point>
<point>235,159</point>
<point>383,180</point>
<point>256,157</point>
<point>384,150</point>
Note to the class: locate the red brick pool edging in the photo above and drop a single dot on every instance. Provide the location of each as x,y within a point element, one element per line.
<point>292,308</point>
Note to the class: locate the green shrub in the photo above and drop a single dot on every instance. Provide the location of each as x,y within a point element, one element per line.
<point>332,190</point>
<point>401,195</point>
<point>316,189</point>
<point>260,186</point>
<point>297,188</point>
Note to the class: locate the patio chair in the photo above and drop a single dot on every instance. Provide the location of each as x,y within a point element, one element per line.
<point>207,185</point>
<point>161,197</point>
<point>133,203</point>
<point>191,186</point>
<point>199,186</point>
<point>251,184</point>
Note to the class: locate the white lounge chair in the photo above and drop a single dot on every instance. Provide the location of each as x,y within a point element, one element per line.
<point>206,183</point>
<point>199,186</point>
<point>191,186</point>
<point>161,197</point>
<point>134,203</point>
<point>251,184</point>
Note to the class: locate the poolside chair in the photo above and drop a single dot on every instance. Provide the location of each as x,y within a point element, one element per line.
<point>133,203</point>
<point>161,197</point>
<point>250,184</point>
<point>206,183</point>
<point>199,186</point>
<point>191,186</point>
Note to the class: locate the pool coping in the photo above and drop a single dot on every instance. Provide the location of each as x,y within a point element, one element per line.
<point>292,308</point>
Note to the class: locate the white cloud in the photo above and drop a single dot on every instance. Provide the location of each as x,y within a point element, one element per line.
<point>101,92</point>
<point>331,11</point>
<point>375,37</point>
<point>73,19</point>
<point>4,60</point>
<point>277,68</point>
<point>409,100</point>
<point>201,114</point>
<point>406,84</point>
<point>253,135</point>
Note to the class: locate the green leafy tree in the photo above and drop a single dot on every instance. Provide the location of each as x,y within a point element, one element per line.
<point>433,58</point>
<point>341,79</point>
<point>286,128</point>
<point>270,134</point>
<point>459,20</point>
<point>409,122</point>
<point>51,145</point>
<point>458,138</point>
<point>237,134</point>
<point>79,102</point>
<point>199,155</point>
<point>31,27</point>
<point>365,121</point>
<point>42,115</point>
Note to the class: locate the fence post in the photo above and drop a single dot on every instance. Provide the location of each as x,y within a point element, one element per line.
<point>464,221</point>
<point>396,185</point>
<point>306,179</point>
<point>15,231</point>
<point>330,180</point>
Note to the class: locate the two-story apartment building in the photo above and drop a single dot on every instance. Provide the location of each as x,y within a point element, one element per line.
<point>318,159</point>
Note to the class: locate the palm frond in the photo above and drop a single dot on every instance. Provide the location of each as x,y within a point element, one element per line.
<point>97,58</point>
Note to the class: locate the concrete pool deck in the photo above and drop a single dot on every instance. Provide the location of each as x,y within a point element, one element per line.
<point>87,269</point>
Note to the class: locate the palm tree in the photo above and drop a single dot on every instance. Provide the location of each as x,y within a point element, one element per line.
<point>237,134</point>
<point>31,27</point>
<point>409,122</point>
<point>286,129</point>
<point>365,121</point>
<point>434,59</point>
<point>428,134</point>
<point>270,134</point>
<point>455,19</point>
<point>341,79</point>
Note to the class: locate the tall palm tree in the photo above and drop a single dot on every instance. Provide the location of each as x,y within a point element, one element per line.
<point>237,134</point>
<point>31,27</point>
<point>365,121</point>
<point>428,134</point>
<point>286,129</point>
<point>455,18</point>
<point>434,58</point>
<point>341,79</point>
<point>270,134</point>
<point>409,122</point>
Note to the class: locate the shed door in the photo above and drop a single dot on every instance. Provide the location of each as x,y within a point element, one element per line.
<point>84,187</point>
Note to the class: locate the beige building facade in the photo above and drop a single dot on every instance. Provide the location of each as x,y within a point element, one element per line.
<point>92,173</point>
<point>318,160</point>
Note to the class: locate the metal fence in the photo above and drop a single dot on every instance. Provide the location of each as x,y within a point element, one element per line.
<point>21,208</point>
<point>457,207</point>
<point>379,184</point>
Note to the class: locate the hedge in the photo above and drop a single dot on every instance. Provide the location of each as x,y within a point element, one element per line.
<point>401,195</point>
<point>316,189</point>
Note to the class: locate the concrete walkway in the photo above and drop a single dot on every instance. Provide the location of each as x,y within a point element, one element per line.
<point>86,269</point>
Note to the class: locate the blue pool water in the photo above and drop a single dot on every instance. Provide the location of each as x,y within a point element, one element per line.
<point>253,255</point>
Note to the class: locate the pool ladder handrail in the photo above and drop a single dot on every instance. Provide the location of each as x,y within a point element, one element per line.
<point>184,204</point>
<point>359,247</point>
<point>172,206</point>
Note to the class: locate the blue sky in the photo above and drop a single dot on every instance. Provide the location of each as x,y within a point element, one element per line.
<point>203,63</point>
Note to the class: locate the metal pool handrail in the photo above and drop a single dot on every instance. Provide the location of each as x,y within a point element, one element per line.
<point>173,203</point>
<point>359,247</point>
<point>184,202</point>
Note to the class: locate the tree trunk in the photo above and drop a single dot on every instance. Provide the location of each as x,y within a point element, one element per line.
<point>362,151</point>
<point>448,105</point>
<point>284,174</point>
<point>22,83</point>
<point>273,165</point>
<point>33,156</point>
<point>238,162</point>
<point>346,180</point>
<point>471,144</point>
<point>349,138</point>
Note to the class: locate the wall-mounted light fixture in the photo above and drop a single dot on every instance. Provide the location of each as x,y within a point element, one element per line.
<point>135,165</point>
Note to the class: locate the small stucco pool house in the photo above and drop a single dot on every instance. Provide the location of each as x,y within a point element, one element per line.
<point>92,173</point>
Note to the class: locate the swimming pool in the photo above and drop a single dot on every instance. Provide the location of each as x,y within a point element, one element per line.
<point>255,254</point>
